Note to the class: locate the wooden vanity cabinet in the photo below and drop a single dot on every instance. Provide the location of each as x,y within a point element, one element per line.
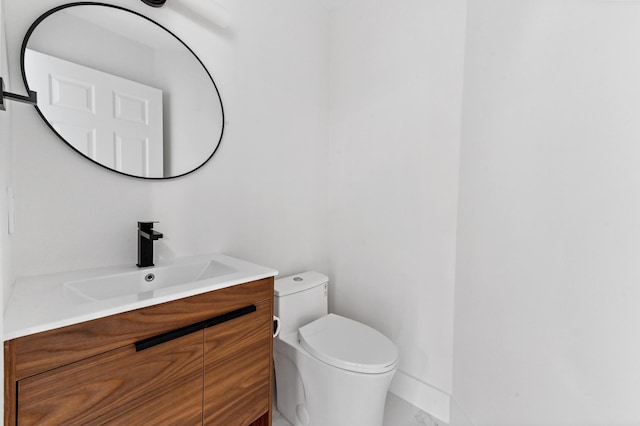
<point>205,359</point>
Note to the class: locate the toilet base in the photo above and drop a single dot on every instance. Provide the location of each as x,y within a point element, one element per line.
<point>310,392</point>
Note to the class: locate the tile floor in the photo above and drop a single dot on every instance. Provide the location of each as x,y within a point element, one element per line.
<point>397,412</point>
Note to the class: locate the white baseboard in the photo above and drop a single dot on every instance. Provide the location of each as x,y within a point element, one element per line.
<point>425,397</point>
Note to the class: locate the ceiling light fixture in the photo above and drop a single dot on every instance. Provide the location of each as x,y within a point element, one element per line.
<point>154,3</point>
<point>210,11</point>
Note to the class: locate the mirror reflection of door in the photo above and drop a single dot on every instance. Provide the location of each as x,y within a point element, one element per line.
<point>114,121</point>
<point>126,44</point>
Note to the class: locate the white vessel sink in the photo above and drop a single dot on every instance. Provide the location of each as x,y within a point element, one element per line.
<point>145,280</point>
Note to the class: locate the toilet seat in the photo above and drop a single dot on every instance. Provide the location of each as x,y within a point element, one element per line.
<point>348,344</point>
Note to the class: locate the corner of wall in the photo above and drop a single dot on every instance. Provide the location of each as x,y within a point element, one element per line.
<point>426,397</point>
<point>457,417</point>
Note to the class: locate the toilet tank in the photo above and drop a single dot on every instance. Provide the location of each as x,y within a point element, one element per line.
<point>300,299</point>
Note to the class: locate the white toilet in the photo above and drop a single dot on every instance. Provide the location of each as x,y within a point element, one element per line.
<point>330,370</point>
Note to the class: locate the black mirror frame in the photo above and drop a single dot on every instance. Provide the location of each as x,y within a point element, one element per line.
<point>68,5</point>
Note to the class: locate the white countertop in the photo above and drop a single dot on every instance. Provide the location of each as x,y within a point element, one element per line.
<point>40,303</point>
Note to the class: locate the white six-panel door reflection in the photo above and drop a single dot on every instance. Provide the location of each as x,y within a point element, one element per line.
<point>114,121</point>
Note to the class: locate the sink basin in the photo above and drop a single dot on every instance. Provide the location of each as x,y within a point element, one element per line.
<point>45,302</point>
<point>145,281</point>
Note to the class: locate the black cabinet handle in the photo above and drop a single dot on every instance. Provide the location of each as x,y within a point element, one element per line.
<point>183,331</point>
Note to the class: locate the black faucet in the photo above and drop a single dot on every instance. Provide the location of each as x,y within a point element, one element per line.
<point>146,237</point>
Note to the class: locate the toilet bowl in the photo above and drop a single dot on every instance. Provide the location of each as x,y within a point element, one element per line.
<point>330,370</point>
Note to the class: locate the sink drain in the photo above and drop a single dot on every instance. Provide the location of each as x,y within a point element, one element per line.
<point>149,277</point>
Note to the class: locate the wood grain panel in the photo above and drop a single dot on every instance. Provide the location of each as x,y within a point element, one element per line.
<point>119,384</point>
<point>165,411</point>
<point>51,349</point>
<point>232,337</point>
<point>263,420</point>
<point>236,391</point>
<point>10,387</point>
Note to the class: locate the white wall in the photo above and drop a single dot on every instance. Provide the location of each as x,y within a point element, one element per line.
<point>396,93</point>
<point>262,197</point>
<point>6,247</point>
<point>548,266</point>
<point>6,169</point>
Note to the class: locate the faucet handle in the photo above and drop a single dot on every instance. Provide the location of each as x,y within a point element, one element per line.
<point>146,226</point>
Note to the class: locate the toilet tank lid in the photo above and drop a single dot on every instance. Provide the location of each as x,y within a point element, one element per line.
<point>299,282</point>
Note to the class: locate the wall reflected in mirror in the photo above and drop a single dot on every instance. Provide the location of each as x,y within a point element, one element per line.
<point>122,91</point>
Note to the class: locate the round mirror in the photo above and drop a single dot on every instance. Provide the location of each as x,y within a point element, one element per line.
<point>122,90</point>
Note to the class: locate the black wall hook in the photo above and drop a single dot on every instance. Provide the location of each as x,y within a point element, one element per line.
<point>32,99</point>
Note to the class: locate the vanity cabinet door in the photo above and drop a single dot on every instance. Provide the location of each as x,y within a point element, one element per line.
<point>159,385</point>
<point>237,370</point>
